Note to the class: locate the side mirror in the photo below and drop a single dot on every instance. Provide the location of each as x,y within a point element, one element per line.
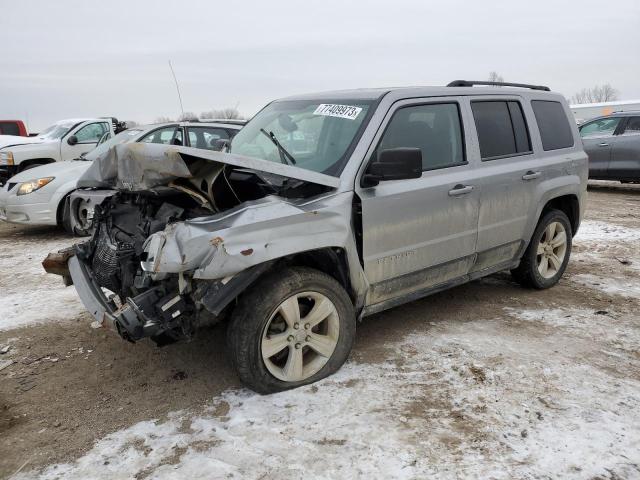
<point>394,164</point>
<point>221,145</point>
<point>72,140</point>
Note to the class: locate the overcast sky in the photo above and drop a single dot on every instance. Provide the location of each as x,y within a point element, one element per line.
<point>64,59</point>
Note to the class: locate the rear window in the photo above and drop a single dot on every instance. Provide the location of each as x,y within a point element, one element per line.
<point>553,124</point>
<point>502,129</point>
<point>9,128</point>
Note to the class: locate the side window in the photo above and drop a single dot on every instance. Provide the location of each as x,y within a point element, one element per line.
<point>166,136</point>
<point>600,128</point>
<point>92,133</point>
<point>8,128</point>
<point>502,128</point>
<point>435,129</point>
<point>633,126</point>
<point>553,124</point>
<point>206,137</point>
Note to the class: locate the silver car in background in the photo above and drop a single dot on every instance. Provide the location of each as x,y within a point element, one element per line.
<point>40,195</point>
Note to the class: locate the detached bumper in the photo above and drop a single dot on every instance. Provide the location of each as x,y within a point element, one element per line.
<point>90,293</point>
<point>147,315</point>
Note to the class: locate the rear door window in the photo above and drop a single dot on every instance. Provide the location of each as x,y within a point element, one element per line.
<point>632,127</point>
<point>553,124</point>
<point>502,128</point>
<point>9,128</point>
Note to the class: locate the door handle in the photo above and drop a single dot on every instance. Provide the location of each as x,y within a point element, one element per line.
<point>460,190</point>
<point>603,144</point>
<point>530,175</point>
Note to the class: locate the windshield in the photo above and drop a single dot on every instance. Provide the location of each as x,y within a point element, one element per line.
<point>122,137</point>
<point>57,130</point>
<point>311,134</point>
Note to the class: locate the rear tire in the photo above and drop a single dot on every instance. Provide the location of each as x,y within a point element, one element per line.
<point>293,327</point>
<point>545,259</point>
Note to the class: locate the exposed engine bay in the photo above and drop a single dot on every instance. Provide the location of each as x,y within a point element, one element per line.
<point>139,299</point>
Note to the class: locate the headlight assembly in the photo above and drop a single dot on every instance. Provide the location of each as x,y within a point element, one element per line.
<point>33,185</point>
<point>6,158</point>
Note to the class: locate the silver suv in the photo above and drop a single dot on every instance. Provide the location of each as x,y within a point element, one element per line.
<point>326,208</point>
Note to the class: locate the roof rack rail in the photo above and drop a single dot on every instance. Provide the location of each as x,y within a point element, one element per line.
<point>471,83</point>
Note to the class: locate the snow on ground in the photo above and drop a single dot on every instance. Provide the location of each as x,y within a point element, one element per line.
<point>594,231</point>
<point>616,251</point>
<point>28,295</point>
<point>504,397</point>
<point>624,286</point>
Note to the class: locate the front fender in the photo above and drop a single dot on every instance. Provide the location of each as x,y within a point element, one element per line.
<point>256,232</point>
<point>22,153</point>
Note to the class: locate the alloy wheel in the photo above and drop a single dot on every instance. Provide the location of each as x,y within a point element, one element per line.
<point>551,250</point>
<point>300,336</point>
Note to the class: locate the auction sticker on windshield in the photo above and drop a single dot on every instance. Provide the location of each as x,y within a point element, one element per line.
<point>341,111</point>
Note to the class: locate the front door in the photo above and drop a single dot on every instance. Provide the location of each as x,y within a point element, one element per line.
<point>88,136</point>
<point>421,233</point>
<point>597,138</point>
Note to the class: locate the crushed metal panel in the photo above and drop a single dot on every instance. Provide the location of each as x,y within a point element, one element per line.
<point>142,166</point>
<point>261,165</point>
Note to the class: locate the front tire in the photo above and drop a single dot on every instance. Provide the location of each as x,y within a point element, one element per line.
<point>546,258</point>
<point>293,327</point>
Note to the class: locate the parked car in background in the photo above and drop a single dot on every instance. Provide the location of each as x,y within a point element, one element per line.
<point>64,140</point>
<point>39,196</point>
<point>584,112</point>
<point>613,145</point>
<point>328,207</point>
<point>16,128</point>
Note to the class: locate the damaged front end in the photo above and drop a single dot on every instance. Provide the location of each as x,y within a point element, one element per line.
<point>180,233</point>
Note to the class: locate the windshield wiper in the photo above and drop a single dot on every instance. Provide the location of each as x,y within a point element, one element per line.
<point>284,155</point>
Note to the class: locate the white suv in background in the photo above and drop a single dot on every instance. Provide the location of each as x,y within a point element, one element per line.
<point>37,196</point>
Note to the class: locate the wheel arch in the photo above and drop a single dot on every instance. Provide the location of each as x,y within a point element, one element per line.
<point>569,205</point>
<point>219,296</point>
<point>34,161</point>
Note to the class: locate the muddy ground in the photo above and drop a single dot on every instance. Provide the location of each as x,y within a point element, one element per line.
<point>69,385</point>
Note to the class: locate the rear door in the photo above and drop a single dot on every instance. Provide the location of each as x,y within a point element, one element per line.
<point>421,233</point>
<point>598,137</point>
<point>625,152</point>
<point>508,175</point>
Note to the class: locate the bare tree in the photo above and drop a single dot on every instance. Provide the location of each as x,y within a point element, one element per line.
<point>599,93</point>
<point>131,123</point>
<point>229,113</point>
<point>495,77</point>
<point>163,120</point>
<point>187,117</point>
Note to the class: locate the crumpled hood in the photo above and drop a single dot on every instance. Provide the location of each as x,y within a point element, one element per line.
<point>54,169</point>
<point>142,166</point>
<point>12,140</point>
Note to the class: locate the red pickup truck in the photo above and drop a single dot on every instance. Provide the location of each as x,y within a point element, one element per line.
<point>13,127</point>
